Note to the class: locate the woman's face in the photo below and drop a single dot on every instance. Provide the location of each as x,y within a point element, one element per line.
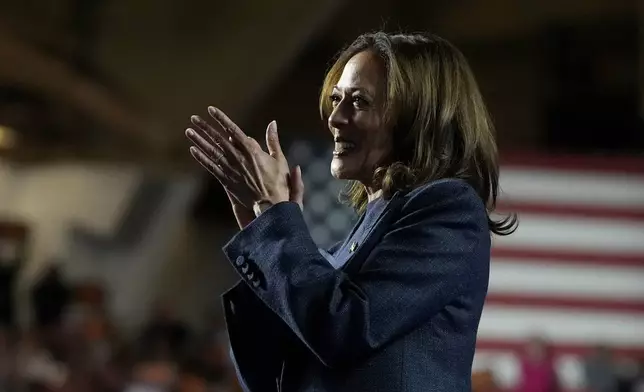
<point>362,139</point>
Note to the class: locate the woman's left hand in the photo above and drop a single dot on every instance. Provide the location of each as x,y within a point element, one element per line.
<point>238,161</point>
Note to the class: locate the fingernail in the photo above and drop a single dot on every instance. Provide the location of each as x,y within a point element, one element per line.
<point>195,118</point>
<point>212,109</point>
<point>190,132</point>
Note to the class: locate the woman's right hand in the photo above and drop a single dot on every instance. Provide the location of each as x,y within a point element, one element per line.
<point>244,215</point>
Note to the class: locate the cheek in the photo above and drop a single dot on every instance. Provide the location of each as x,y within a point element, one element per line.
<point>381,143</point>
<point>377,139</point>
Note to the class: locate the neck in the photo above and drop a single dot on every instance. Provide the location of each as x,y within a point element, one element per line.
<point>373,194</point>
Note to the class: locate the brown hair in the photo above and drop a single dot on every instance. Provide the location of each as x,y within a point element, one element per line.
<point>442,128</point>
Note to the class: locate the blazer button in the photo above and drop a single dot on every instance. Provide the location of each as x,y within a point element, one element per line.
<point>239,261</point>
<point>231,305</point>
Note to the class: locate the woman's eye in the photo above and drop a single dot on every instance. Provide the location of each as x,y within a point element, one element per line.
<point>359,101</point>
<point>335,99</point>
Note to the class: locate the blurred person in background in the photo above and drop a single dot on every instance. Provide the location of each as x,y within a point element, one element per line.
<point>638,384</point>
<point>152,375</point>
<point>599,370</point>
<point>484,381</point>
<point>396,306</point>
<point>10,261</point>
<point>8,375</point>
<point>50,296</point>
<point>37,365</point>
<point>538,372</point>
<point>165,332</point>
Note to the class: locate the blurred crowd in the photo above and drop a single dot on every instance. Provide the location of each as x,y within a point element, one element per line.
<point>602,371</point>
<point>73,346</point>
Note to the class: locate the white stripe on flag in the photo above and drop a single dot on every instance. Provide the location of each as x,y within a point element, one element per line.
<point>563,280</point>
<point>558,325</point>
<point>583,188</point>
<point>571,234</point>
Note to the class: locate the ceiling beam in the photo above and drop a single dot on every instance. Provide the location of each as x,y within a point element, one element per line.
<point>26,67</point>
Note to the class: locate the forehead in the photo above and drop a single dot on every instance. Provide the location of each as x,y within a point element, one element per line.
<point>364,70</point>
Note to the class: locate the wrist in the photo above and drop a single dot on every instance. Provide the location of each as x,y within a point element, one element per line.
<point>261,206</point>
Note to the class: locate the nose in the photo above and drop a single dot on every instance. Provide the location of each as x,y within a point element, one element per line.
<point>338,117</point>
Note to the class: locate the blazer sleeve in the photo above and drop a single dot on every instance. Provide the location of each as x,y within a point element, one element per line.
<point>437,249</point>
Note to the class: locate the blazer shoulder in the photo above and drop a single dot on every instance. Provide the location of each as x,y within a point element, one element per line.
<point>448,192</point>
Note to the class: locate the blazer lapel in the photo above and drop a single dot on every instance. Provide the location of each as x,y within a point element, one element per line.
<point>369,240</point>
<point>353,230</point>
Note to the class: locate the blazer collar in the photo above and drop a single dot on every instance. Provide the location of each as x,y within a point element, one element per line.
<point>369,240</point>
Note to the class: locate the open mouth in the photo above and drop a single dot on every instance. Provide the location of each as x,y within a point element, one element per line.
<point>343,147</point>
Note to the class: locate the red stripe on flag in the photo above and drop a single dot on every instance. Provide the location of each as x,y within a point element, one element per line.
<point>503,254</point>
<point>625,306</point>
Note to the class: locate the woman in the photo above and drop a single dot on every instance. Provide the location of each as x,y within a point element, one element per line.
<point>537,364</point>
<point>396,306</point>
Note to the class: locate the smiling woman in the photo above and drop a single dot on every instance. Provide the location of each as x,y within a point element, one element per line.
<point>396,306</point>
<point>363,139</point>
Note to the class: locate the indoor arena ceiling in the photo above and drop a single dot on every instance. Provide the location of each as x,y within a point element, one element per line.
<point>117,79</point>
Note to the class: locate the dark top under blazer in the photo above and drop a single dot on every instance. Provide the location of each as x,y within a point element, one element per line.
<point>400,315</point>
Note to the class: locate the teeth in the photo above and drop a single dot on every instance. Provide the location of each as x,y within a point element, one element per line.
<point>342,148</point>
<point>344,145</point>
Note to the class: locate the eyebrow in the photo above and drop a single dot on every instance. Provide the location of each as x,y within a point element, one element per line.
<point>353,89</point>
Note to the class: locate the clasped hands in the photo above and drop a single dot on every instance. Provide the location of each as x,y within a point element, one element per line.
<point>250,176</point>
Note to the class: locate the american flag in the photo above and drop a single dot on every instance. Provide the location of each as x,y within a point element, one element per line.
<point>572,274</point>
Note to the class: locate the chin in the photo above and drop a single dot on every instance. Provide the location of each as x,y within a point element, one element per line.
<point>341,171</point>
<point>338,175</point>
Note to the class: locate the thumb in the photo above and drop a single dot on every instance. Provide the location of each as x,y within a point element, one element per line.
<point>296,186</point>
<point>273,141</point>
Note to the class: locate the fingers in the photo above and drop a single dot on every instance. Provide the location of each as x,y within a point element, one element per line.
<point>273,141</point>
<point>227,125</point>
<point>296,185</point>
<point>215,135</point>
<point>226,133</point>
<point>208,164</point>
<point>214,153</point>
<point>210,150</point>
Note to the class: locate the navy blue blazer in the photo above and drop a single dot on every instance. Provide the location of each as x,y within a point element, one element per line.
<point>400,315</point>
